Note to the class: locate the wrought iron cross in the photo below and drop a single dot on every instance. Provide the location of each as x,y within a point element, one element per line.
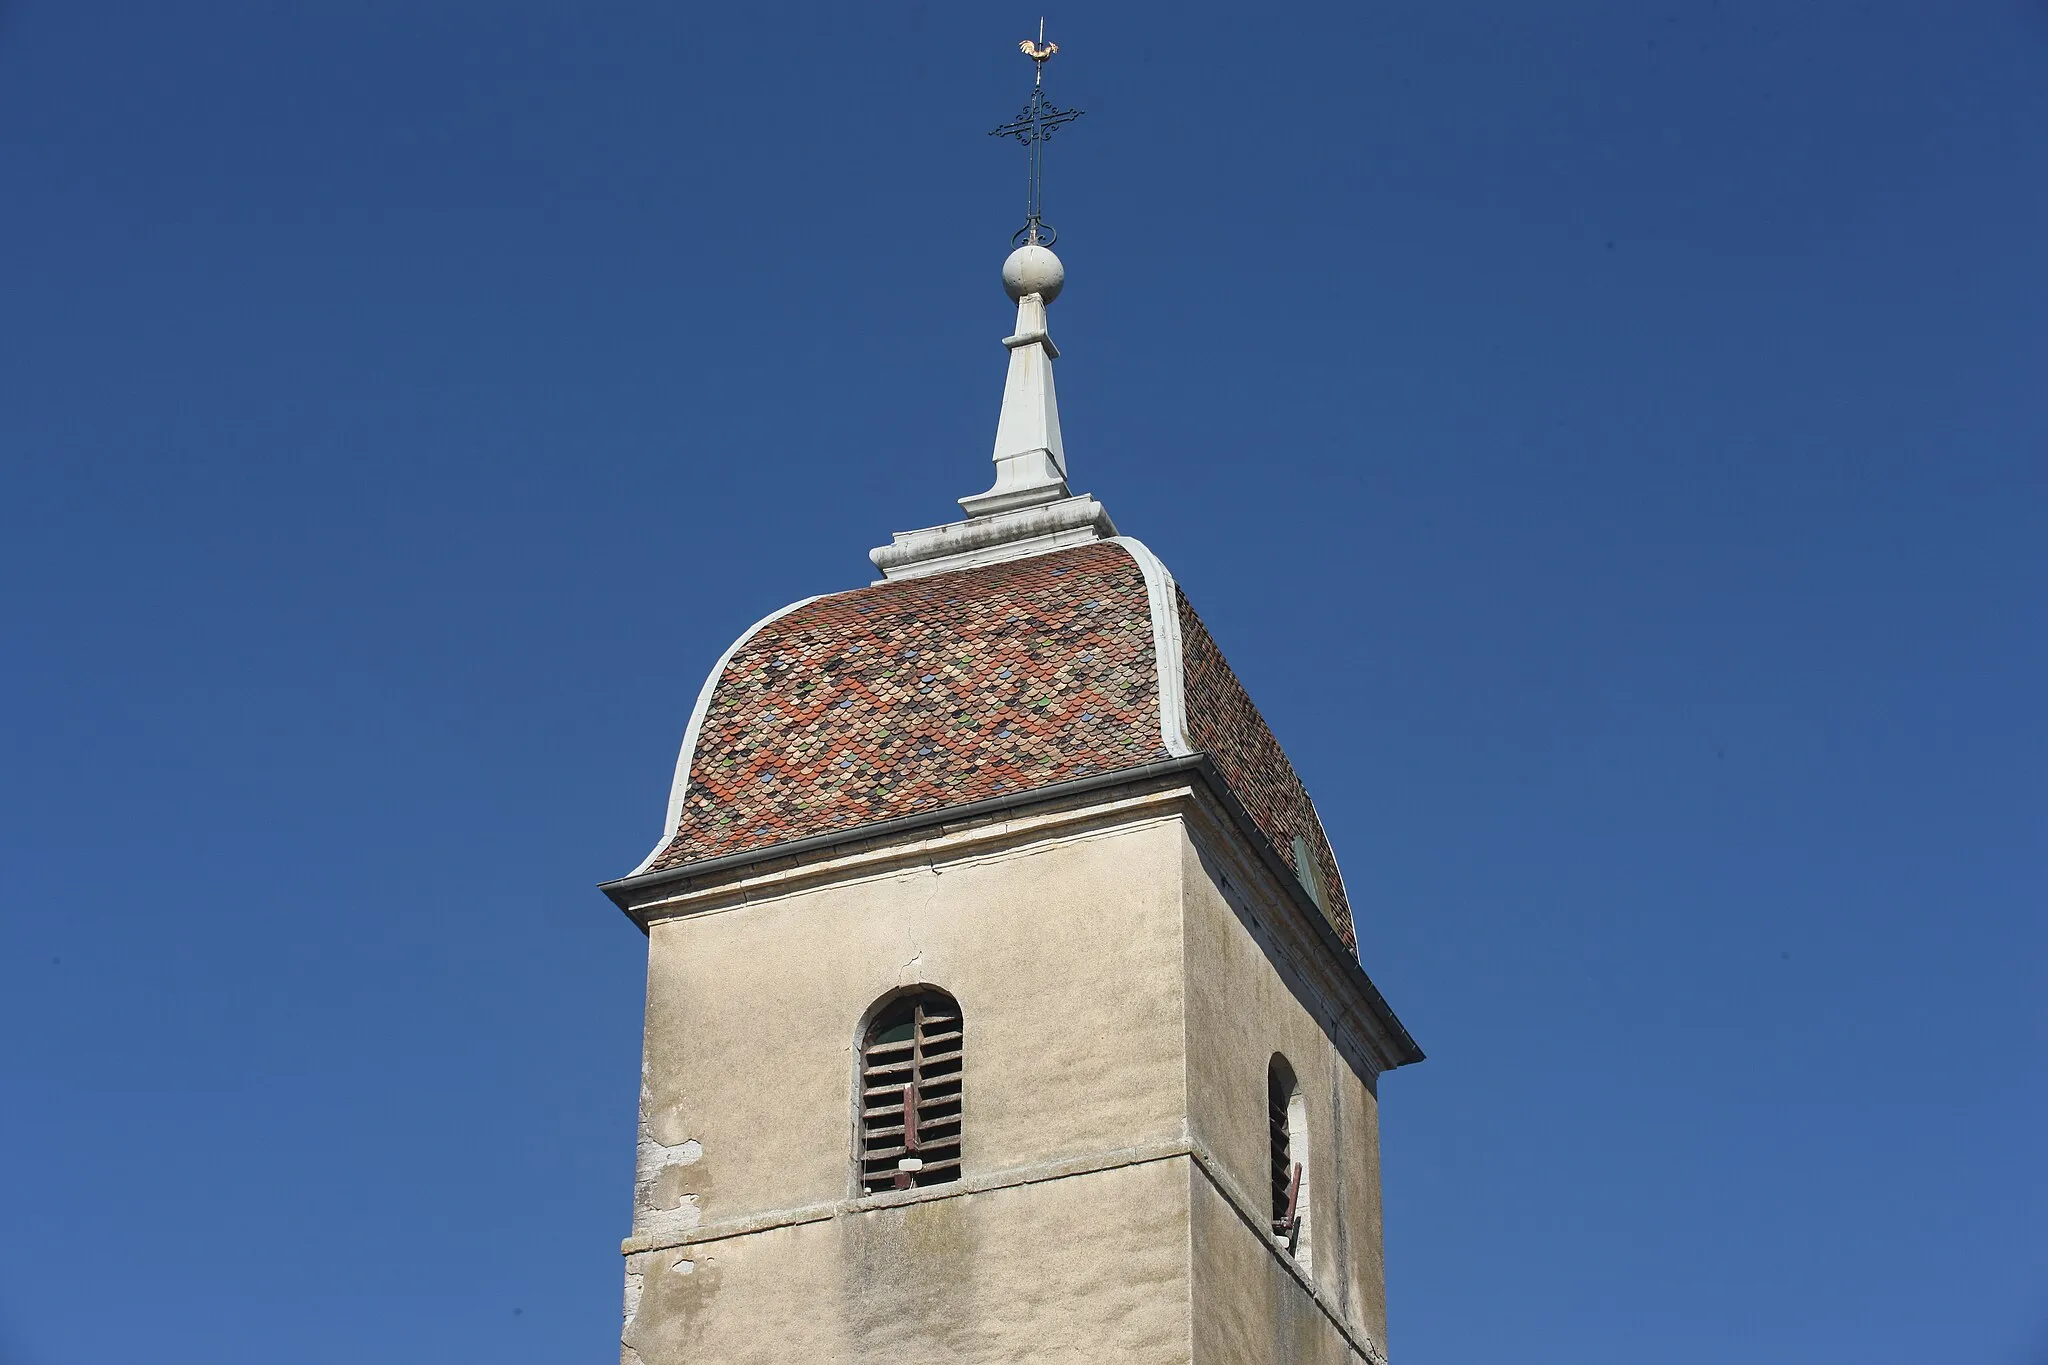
<point>1032,127</point>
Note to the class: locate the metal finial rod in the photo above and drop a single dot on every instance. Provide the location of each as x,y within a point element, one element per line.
<point>1037,122</point>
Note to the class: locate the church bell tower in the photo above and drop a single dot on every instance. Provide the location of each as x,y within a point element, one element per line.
<point>1003,1002</point>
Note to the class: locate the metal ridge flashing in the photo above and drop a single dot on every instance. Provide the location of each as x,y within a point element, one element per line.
<point>620,890</point>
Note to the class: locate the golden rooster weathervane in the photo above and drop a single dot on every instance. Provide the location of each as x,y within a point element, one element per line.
<point>1040,51</point>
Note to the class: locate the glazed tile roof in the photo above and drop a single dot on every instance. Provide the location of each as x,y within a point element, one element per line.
<point>1223,723</point>
<point>922,694</point>
<point>897,698</point>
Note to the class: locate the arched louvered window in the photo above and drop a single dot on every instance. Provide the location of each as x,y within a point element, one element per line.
<point>910,1078</point>
<point>1287,1132</point>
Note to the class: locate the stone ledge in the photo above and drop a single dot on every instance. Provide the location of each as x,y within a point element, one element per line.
<point>894,1199</point>
<point>1010,534</point>
<point>1204,1161</point>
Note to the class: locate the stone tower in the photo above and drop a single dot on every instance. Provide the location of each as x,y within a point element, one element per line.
<point>1003,1002</point>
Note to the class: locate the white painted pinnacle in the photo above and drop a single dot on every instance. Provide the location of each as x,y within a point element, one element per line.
<point>1031,463</point>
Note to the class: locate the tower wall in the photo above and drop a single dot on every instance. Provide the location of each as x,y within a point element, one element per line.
<point>1255,989</point>
<point>1119,1013</point>
<point>1086,1269</point>
<point>1061,940</point>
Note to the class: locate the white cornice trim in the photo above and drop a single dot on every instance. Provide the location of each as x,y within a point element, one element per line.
<point>1016,533</point>
<point>679,786</point>
<point>1165,602</point>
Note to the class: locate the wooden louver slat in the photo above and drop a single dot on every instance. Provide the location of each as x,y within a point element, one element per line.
<point>910,1094</point>
<point>1278,1093</point>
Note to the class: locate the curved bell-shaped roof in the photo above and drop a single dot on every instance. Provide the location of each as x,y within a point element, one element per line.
<point>923,694</point>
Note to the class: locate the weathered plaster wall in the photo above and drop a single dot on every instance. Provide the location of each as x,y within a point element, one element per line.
<point>1243,1005</point>
<point>1087,1269</point>
<point>1119,1014</point>
<point>1247,1307</point>
<point>1065,956</point>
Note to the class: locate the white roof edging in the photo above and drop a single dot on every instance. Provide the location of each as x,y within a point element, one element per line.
<point>1165,603</point>
<point>679,788</point>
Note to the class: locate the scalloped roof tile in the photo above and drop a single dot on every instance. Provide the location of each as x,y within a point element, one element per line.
<point>921,694</point>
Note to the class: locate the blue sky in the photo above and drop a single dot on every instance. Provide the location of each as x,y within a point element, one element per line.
<point>1601,435</point>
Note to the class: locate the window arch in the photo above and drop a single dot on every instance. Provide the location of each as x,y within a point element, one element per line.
<point>1287,1131</point>
<point>911,1066</point>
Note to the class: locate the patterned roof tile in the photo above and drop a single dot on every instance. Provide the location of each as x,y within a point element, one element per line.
<point>904,697</point>
<point>1225,724</point>
<point>910,696</point>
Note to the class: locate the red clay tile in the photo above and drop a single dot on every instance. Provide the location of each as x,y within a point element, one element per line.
<point>911,696</point>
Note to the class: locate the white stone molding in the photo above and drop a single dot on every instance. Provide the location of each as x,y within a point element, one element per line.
<point>1166,647</point>
<point>1016,534</point>
<point>679,787</point>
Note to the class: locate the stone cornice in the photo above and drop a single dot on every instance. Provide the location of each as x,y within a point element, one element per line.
<point>1307,952</point>
<point>1070,519</point>
<point>1365,1026</point>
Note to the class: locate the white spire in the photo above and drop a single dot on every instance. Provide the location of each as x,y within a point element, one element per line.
<point>1031,463</point>
<point>1030,509</point>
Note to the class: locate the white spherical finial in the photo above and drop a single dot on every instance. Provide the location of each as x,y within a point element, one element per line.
<point>1033,269</point>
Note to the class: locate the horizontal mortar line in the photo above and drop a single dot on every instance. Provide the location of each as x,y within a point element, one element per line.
<point>891,1199</point>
